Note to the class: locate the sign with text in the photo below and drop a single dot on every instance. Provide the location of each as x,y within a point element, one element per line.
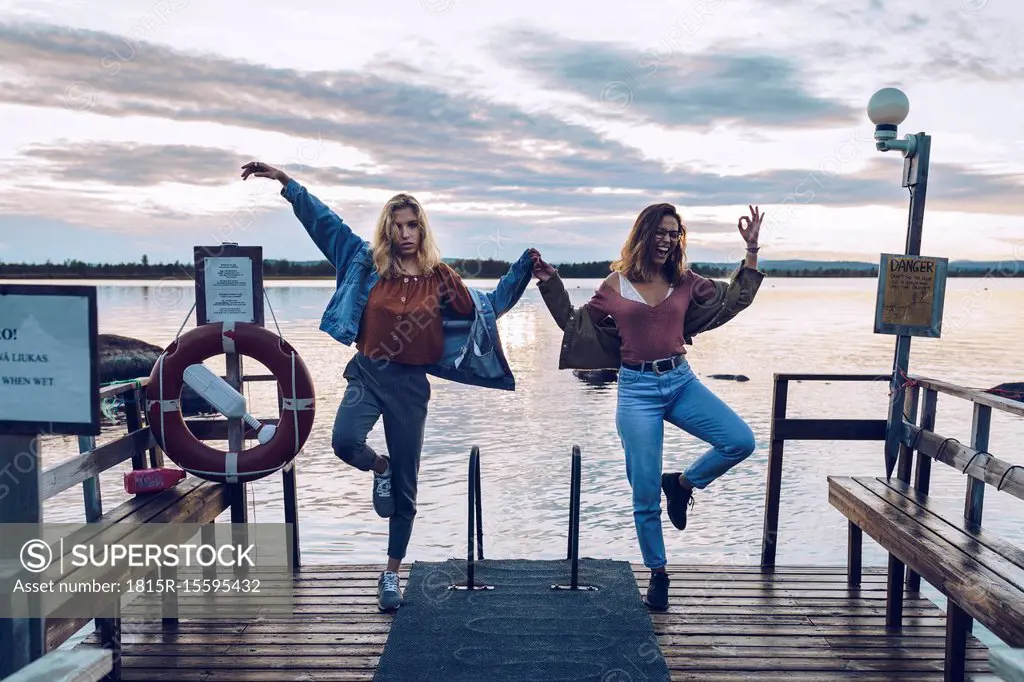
<point>229,283</point>
<point>49,380</point>
<point>911,293</point>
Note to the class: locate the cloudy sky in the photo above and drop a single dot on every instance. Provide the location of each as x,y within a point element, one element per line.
<point>530,123</point>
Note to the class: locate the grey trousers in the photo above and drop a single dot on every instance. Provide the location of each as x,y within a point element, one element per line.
<point>400,394</point>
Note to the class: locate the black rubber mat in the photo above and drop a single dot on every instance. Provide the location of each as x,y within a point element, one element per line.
<point>522,629</point>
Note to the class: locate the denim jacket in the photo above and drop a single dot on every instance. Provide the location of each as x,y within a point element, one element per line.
<point>472,350</point>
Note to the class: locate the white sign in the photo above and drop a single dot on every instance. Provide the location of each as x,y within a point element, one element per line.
<point>229,293</point>
<point>46,359</point>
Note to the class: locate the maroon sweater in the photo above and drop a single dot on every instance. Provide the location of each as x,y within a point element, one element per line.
<point>650,332</point>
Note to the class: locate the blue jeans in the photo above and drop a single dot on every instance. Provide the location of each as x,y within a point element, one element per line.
<point>678,397</point>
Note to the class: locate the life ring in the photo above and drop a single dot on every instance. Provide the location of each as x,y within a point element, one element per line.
<point>193,455</point>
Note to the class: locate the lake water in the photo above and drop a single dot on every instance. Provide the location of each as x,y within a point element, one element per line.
<point>526,436</point>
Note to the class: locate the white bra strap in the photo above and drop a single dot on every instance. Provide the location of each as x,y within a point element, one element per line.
<point>630,293</point>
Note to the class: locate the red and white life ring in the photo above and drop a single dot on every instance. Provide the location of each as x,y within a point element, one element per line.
<point>193,455</point>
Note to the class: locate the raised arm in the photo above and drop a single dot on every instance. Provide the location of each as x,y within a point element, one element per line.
<point>551,289</point>
<point>557,299</point>
<point>512,285</point>
<point>716,302</point>
<point>333,237</point>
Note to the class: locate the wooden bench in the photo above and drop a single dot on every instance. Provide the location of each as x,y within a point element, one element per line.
<point>66,666</point>
<point>191,501</point>
<point>980,574</point>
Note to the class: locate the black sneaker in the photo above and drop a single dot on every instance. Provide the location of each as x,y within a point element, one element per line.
<point>678,499</point>
<point>657,591</point>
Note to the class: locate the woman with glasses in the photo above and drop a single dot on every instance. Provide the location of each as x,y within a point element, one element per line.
<point>649,300</point>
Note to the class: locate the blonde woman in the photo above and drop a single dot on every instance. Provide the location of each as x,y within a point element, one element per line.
<point>391,300</point>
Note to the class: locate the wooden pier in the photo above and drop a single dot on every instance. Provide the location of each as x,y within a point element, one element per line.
<point>759,622</point>
<point>726,623</point>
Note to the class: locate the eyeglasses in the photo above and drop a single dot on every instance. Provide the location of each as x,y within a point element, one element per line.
<point>674,235</point>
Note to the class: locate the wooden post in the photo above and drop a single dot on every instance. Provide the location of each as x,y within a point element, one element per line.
<point>922,474</point>
<point>291,499</point>
<point>133,419</point>
<point>906,455</point>
<point>773,488</point>
<point>22,640</point>
<point>236,443</point>
<point>855,542</point>
<point>90,486</point>
<point>231,267</point>
<point>958,624</point>
<point>208,536</point>
<point>894,594</point>
<point>903,470</point>
<point>92,499</point>
<point>110,637</point>
<point>975,500</point>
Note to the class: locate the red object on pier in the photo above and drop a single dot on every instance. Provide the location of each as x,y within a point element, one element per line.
<point>151,480</point>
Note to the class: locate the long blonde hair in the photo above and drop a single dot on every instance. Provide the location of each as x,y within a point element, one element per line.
<point>635,261</point>
<point>385,233</point>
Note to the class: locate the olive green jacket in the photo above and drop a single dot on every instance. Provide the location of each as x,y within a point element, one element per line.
<point>590,345</point>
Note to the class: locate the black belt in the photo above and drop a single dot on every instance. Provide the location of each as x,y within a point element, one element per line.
<point>658,366</point>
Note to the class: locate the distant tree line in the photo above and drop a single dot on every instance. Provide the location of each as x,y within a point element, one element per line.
<point>468,268</point>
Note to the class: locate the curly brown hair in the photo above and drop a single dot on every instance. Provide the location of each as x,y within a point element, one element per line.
<point>635,261</point>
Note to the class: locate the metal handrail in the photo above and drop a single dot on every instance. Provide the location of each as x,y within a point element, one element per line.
<point>573,549</point>
<point>475,530</point>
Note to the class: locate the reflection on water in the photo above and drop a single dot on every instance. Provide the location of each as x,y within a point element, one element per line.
<point>526,436</point>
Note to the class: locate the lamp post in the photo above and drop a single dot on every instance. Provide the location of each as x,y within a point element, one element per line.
<point>887,108</point>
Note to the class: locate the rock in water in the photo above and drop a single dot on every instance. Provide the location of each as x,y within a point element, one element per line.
<point>1013,390</point>
<point>596,376</point>
<point>122,358</point>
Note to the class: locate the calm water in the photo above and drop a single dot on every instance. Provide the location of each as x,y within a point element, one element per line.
<point>526,436</point>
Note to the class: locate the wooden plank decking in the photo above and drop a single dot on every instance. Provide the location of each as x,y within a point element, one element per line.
<point>726,623</point>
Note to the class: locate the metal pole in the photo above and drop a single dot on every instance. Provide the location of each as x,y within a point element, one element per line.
<point>575,530</point>
<point>572,507</point>
<point>474,458</point>
<point>479,511</point>
<point>575,487</point>
<point>915,177</point>
<point>475,526</point>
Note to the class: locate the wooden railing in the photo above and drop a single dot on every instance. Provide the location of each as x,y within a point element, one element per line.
<point>784,428</point>
<point>139,446</point>
<point>975,461</point>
